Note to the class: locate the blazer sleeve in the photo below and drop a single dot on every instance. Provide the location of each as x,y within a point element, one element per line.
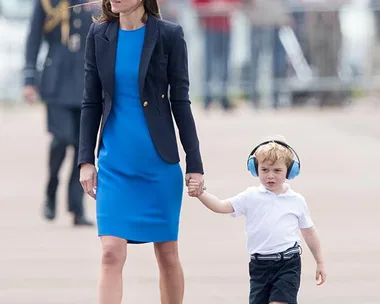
<point>178,77</point>
<point>33,44</point>
<point>92,107</point>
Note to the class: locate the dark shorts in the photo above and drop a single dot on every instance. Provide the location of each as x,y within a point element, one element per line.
<point>274,281</point>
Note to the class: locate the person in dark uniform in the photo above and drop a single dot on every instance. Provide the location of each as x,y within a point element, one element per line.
<point>64,25</point>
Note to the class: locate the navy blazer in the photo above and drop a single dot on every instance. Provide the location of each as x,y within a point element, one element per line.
<point>163,63</point>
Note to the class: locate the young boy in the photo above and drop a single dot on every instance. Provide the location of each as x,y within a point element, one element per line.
<point>274,214</point>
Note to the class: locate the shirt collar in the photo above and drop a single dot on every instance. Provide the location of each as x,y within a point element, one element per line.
<point>288,193</point>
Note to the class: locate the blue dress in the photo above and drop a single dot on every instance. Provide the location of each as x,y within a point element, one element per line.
<point>139,194</point>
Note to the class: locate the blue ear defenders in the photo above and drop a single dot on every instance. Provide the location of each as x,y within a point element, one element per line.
<point>293,169</point>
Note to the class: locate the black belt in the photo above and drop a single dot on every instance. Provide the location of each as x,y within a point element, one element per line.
<point>285,255</point>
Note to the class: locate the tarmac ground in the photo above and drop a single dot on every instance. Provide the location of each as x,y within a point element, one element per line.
<point>54,263</point>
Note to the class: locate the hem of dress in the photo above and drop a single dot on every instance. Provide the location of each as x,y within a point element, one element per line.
<point>133,241</point>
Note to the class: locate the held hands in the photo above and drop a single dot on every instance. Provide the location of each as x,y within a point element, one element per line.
<point>88,179</point>
<point>197,177</point>
<point>194,188</point>
<point>320,275</point>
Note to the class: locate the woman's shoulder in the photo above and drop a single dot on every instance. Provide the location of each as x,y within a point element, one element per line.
<point>168,28</point>
<point>169,33</point>
<point>100,27</point>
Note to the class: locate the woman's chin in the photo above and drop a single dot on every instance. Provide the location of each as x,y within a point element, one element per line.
<point>115,10</point>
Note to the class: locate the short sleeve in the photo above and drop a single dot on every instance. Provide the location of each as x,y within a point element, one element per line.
<point>239,203</point>
<point>304,219</point>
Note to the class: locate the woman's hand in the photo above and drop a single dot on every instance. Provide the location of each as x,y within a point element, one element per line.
<point>193,188</point>
<point>199,178</point>
<point>88,179</point>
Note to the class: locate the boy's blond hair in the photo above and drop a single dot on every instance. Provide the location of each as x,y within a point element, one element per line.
<point>272,152</point>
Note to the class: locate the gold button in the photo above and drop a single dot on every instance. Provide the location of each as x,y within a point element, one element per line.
<point>162,96</point>
<point>145,103</point>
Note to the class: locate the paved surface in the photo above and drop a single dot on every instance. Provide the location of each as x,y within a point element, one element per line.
<point>52,263</point>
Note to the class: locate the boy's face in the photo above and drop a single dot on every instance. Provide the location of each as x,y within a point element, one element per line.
<point>273,176</point>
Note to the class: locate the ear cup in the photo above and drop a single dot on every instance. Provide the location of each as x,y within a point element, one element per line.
<point>252,166</point>
<point>293,170</point>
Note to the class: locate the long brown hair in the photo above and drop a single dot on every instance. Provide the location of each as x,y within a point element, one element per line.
<point>106,14</point>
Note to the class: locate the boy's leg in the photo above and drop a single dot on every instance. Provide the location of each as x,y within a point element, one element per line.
<point>259,288</point>
<point>286,282</point>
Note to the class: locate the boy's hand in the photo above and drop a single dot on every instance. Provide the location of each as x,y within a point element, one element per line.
<point>199,178</point>
<point>194,188</point>
<point>320,275</point>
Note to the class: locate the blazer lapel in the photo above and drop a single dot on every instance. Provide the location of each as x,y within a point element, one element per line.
<point>150,40</point>
<point>106,54</point>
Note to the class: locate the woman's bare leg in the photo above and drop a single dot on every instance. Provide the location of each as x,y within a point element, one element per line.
<point>172,283</point>
<point>114,254</point>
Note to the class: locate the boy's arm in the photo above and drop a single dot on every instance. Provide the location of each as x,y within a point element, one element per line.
<point>312,240</point>
<point>215,204</point>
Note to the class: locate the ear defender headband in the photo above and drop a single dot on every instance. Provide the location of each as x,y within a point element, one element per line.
<point>292,171</point>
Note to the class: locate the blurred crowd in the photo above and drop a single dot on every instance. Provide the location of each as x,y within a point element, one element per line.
<point>296,44</point>
<point>271,53</point>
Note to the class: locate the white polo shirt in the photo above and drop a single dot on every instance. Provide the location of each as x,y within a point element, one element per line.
<point>272,221</point>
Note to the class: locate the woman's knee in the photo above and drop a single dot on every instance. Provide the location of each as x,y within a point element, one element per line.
<point>114,251</point>
<point>167,254</point>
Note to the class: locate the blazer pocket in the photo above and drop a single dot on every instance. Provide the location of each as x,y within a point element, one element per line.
<point>164,60</point>
<point>163,103</point>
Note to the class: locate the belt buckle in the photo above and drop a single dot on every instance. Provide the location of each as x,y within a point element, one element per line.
<point>289,256</point>
<point>278,257</point>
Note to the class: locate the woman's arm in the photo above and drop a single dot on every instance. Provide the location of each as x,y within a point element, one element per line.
<point>33,44</point>
<point>178,76</point>
<point>91,105</point>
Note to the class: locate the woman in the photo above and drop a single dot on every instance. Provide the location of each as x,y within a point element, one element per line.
<point>131,58</point>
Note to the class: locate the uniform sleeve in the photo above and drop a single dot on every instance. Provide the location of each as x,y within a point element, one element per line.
<point>304,219</point>
<point>239,203</point>
<point>33,43</point>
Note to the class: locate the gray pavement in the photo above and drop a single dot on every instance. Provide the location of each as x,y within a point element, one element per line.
<point>53,263</point>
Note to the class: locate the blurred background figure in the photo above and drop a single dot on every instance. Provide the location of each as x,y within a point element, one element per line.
<point>215,19</point>
<point>265,19</point>
<point>324,45</point>
<point>375,7</point>
<point>60,87</point>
